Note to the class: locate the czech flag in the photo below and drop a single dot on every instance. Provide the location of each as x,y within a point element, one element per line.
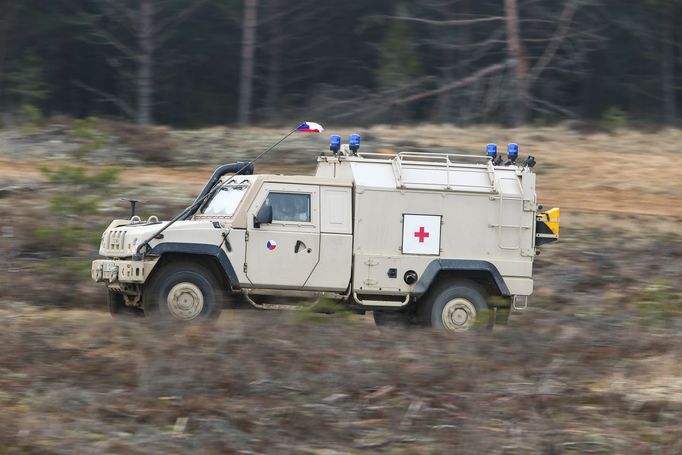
<point>309,127</point>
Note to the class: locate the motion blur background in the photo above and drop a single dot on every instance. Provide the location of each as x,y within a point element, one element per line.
<point>102,100</point>
<point>207,62</point>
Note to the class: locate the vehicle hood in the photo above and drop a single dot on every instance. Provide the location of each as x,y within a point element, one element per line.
<point>121,239</point>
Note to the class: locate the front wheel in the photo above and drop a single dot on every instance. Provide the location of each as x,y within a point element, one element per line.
<point>457,306</point>
<point>184,292</point>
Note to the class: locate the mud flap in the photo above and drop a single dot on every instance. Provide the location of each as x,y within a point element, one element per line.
<point>502,315</point>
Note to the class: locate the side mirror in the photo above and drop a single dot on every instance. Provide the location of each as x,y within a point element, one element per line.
<point>264,215</point>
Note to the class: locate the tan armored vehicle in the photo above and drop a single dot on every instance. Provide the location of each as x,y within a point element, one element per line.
<point>439,239</point>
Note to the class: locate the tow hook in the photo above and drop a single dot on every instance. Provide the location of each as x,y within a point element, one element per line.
<point>114,276</point>
<point>98,274</point>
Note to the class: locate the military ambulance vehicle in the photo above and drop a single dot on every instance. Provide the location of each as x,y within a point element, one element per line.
<point>444,240</point>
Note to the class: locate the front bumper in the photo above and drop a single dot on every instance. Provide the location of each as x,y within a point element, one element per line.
<point>122,271</point>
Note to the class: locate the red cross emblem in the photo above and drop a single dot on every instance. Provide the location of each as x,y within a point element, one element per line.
<point>421,234</point>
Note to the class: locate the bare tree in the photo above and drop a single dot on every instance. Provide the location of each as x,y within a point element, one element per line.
<point>135,30</point>
<point>278,37</point>
<point>518,109</point>
<point>274,58</point>
<point>478,59</point>
<point>145,62</point>
<point>247,61</point>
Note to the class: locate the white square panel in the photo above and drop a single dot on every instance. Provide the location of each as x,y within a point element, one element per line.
<point>421,234</point>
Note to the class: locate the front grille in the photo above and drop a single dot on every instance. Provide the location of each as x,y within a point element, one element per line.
<point>114,242</point>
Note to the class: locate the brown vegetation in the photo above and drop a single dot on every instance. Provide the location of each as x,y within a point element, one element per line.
<point>278,383</point>
<point>592,366</point>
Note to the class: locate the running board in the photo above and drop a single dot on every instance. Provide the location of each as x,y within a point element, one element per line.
<point>384,303</point>
<point>278,307</point>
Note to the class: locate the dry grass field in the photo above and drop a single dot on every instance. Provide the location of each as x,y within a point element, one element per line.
<point>593,366</point>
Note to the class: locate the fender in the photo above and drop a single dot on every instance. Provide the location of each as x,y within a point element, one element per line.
<point>200,249</point>
<point>438,265</point>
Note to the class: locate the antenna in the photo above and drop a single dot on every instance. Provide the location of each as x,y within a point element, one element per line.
<point>305,127</point>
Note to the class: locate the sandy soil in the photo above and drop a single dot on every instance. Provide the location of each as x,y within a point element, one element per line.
<point>591,367</point>
<point>621,173</point>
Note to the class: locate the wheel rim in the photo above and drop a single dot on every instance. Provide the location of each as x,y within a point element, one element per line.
<point>185,301</point>
<point>459,315</point>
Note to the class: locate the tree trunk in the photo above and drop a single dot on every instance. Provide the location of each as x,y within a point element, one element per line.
<point>275,61</point>
<point>145,63</point>
<point>248,50</point>
<point>519,103</point>
<point>668,69</point>
<point>444,105</point>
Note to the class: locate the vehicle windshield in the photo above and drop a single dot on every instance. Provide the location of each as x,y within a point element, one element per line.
<point>225,201</point>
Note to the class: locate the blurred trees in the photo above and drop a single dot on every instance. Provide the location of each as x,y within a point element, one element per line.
<point>8,10</point>
<point>198,62</point>
<point>248,51</point>
<point>667,9</point>
<point>132,32</point>
<point>398,61</point>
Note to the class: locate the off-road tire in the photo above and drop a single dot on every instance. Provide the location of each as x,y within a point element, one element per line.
<point>118,308</point>
<point>183,291</point>
<point>456,306</point>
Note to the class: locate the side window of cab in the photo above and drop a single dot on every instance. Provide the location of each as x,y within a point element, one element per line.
<point>289,207</point>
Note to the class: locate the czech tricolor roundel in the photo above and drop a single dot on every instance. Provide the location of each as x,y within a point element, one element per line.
<point>271,245</point>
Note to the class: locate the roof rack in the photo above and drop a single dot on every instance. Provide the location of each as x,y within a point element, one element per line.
<point>448,171</point>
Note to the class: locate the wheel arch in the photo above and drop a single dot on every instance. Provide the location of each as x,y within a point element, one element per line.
<point>483,273</point>
<point>212,256</point>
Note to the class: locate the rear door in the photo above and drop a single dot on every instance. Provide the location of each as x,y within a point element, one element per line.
<point>284,253</point>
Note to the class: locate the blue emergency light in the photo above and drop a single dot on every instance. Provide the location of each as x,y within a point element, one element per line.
<point>513,151</point>
<point>335,143</point>
<point>491,150</point>
<point>354,143</point>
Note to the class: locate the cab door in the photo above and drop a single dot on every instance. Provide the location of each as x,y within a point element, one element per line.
<point>283,252</point>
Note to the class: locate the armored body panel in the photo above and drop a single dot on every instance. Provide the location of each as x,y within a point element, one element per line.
<point>413,209</point>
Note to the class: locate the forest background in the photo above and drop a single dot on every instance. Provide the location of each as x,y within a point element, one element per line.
<point>193,63</point>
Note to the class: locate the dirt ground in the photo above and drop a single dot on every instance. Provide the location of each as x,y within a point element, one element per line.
<point>593,366</point>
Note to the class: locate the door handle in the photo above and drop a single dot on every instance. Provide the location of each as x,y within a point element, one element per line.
<point>299,245</point>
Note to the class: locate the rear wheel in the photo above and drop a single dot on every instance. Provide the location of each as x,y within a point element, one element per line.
<point>183,292</point>
<point>457,306</point>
